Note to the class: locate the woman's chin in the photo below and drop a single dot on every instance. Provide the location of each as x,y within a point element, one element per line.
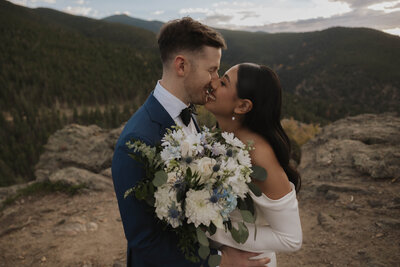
<point>210,106</point>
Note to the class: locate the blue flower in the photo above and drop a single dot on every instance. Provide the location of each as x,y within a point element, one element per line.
<point>216,196</point>
<point>173,213</point>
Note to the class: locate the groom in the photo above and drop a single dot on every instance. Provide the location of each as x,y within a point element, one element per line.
<point>190,54</point>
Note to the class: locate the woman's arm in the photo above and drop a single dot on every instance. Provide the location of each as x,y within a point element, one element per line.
<point>277,205</point>
<point>283,232</point>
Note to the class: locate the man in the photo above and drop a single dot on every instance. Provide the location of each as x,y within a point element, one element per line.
<point>190,53</point>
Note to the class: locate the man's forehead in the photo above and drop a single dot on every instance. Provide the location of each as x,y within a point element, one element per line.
<point>211,54</point>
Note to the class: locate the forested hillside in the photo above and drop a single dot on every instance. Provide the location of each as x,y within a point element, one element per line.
<point>153,26</point>
<point>57,69</point>
<point>343,71</point>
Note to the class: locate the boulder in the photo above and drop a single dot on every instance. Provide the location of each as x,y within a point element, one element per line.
<point>84,147</point>
<point>353,150</point>
<point>76,176</point>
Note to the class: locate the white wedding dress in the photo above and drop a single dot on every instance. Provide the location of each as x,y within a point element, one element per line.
<point>278,227</point>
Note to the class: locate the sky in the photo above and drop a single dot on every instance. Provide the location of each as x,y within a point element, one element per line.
<point>252,15</point>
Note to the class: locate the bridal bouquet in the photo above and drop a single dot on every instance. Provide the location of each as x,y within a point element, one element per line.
<point>193,182</point>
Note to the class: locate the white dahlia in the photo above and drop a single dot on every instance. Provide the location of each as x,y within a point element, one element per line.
<point>199,209</point>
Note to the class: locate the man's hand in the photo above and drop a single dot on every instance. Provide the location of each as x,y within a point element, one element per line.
<point>239,258</point>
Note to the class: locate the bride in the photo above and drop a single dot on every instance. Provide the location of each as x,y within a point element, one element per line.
<point>247,102</point>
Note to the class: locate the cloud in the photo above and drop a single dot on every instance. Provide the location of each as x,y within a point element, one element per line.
<point>31,3</point>
<point>194,10</point>
<point>158,12</point>
<point>217,19</point>
<point>122,13</point>
<point>357,18</point>
<point>20,2</point>
<point>78,10</point>
<point>247,14</point>
<point>394,31</point>
<point>387,7</point>
<point>359,3</point>
<point>80,2</point>
<point>43,1</point>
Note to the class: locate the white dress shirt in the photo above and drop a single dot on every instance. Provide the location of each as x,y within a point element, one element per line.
<point>173,106</point>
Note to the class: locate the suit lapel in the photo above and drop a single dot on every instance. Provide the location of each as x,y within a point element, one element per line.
<point>158,114</point>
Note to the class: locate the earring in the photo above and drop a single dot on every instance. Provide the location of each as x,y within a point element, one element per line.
<point>233,118</point>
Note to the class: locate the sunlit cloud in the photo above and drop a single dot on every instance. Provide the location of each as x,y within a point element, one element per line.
<point>251,14</point>
<point>185,11</point>
<point>78,10</point>
<point>20,2</point>
<point>32,3</point>
<point>394,31</point>
<point>122,13</point>
<point>44,1</point>
<point>357,18</point>
<point>158,12</point>
<point>387,7</point>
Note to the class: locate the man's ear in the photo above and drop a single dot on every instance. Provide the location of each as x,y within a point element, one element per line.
<point>244,106</point>
<point>180,65</point>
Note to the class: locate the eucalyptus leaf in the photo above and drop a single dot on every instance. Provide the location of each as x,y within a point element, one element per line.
<point>243,232</point>
<point>137,158</point>
<point>235,234</point>
<point>255,189</point>
<point>160,178</point>
<point>212,228</point>
<point>214,260</point>
<point>247,216</point>
<point>204,252</point>
<point>201,237</point>
<point>241,204</point>
<point>259,173</point>
<point>250,204</point>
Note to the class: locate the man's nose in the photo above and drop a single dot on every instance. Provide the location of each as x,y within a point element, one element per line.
<point>215,75</point>
<point>214,83</point>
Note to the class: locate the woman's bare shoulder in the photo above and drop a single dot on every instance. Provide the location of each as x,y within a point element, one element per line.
<point>262,150</point>
<point>276,185</point>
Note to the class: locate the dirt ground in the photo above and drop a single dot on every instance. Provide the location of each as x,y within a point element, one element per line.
<point>340,229</point>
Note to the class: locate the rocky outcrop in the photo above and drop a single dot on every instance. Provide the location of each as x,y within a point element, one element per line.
<point>79,155</point>
<point>354,149</point>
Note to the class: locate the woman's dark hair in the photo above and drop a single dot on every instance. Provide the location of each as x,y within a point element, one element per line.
<point>261,85</point>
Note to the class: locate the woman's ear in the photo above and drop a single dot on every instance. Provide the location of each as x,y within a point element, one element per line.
<point>180,65</point>
<point>244,106</point>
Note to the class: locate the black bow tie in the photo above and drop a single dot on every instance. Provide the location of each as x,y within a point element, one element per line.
<point>186,114</point>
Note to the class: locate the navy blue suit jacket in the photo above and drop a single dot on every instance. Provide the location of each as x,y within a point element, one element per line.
<point>148,244</point>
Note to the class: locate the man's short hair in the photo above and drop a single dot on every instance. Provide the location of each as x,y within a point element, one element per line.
<point>186,34</point>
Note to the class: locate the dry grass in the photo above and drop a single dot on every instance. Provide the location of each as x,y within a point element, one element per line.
<point>300,132</point>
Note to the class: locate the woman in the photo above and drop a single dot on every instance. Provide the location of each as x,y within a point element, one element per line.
<point>247,102</point>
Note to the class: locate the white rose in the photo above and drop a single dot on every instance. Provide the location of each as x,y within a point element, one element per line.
<point>205,167</point>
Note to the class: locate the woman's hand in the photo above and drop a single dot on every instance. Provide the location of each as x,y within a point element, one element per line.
<point>239,258</point>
